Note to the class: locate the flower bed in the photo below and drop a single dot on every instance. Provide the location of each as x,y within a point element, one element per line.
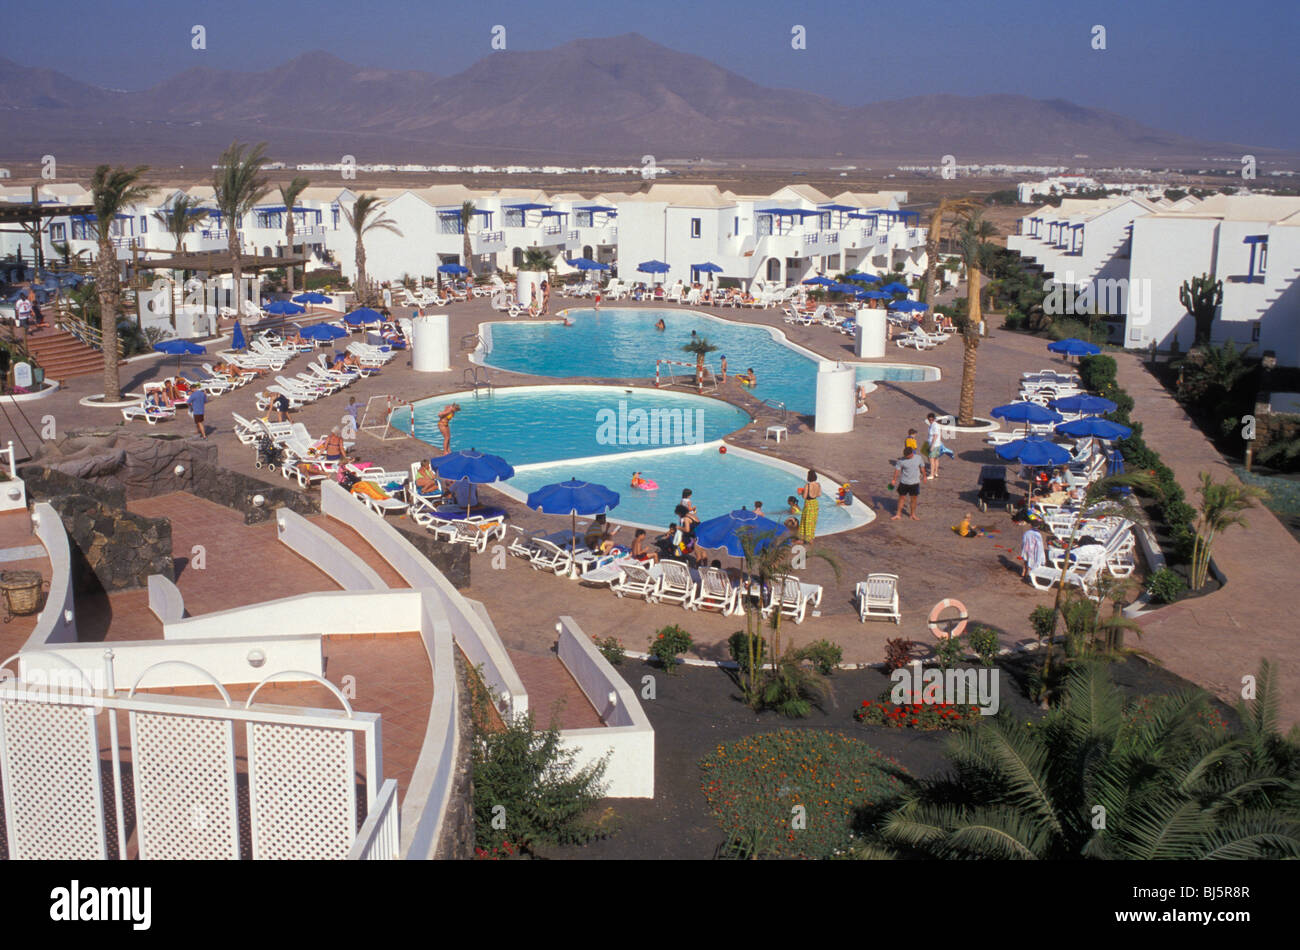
<point>795,793</point>
<point>925,716</point>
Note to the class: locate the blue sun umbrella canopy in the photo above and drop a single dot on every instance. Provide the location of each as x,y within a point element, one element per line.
<point>877,295</point>
<point>312,297</point>
<point>573,498</point>
<point>708,267</point>
<point>1029,412</point>
<point>727,531</point>
<point>323,331</point>
<point>820,281</point>
<point>896,288</point>
<point>472,465</point>
<point>1094,427</point>
<point>179,347</point>
<point>363,315</point>
<point>283,308</point>
<point>1074,347</point>
<point>237,341</point>
<point>652,267</point>
<point>863,278</point>
<point>1085,403</point>
<point>586,263</point>
<point>911,306</point>
<point>452,269</point>
<point>1034,450</point>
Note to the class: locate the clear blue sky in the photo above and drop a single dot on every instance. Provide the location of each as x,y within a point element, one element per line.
<point>1212,70</point>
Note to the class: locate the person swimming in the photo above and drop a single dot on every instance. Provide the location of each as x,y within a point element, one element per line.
<point>749,378</point>
<point>661,325</point>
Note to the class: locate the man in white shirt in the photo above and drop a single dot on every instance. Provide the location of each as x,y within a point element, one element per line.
<point>23,312</point>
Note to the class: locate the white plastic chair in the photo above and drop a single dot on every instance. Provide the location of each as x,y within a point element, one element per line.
<point>878,597</point>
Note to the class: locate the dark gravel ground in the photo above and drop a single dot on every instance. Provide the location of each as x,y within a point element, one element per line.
<point>700,708</point>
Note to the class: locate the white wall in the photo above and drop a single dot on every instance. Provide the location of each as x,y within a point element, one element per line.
<point>627,737</point>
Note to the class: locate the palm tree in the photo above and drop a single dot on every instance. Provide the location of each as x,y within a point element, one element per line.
<point>363,218</point>
<point>974,237</point>
<point>956,206</point>
<point>701,347</point>
<point>111,190</point>
<point>238,186</point>
<point>536,259</point>
<point>289,193</point>
<point>466,220</point>
<point>177,220</point>
<point>1221,506</point>
<point>787,687</point>
<point>1100,778</point>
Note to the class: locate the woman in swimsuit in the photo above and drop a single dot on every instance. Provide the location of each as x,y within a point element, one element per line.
<point>661,325</point>
<point>811,491</point>
<point>444,425</point>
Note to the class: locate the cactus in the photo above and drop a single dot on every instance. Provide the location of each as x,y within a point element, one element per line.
<point>1201,296</point>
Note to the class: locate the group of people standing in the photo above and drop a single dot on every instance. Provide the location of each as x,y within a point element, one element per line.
<point>913,468</point>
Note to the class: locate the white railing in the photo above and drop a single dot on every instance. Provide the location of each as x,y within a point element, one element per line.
<point>380,836</point>
<point>832,238</point>
<point>185,772</point>
<point>492,237</point>
<point>809,239</point>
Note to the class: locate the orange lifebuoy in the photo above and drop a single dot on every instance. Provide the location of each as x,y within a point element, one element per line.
<point>961,618</point>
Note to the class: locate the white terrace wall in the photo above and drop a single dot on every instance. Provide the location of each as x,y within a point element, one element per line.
<point>627,736</point>
<point>57,623</point>
<point>479,643</point>
<point>327,552</point>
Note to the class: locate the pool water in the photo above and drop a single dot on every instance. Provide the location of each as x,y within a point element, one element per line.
<point>624,344</point>
<point>530,424</point>
<point>719,484</point>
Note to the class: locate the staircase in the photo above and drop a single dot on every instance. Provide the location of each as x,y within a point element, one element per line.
<point>62,355</point>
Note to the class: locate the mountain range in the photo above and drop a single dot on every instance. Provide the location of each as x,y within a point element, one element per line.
<point>597,100</point>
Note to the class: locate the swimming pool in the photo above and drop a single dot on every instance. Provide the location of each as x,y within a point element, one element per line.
<point>530,424</point>
<point>719,484</point>
<point>624,344</point>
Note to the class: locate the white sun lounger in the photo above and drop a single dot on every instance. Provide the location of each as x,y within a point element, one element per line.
<point>878,597</point>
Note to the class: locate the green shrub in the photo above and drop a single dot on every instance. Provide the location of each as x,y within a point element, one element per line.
<point>612,650</point>
<point>984,641</point>
<point>949,651</point>
<point>1098,373</point>
<point>1043,619</point>
<point>1165,585</point>
<point>668,644</point>
<point>527,780</point>
<point>739,650</point>
<point>795,793</point>
<point>824,654</point>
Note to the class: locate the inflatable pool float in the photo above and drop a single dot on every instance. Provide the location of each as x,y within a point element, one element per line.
<point>647,485</point>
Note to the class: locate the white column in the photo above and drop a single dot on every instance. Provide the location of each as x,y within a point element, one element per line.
<point>836,397</point>
<point>431,343</point>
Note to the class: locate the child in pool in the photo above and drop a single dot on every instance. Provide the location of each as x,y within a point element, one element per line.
<point>748,379</point>
<point>793,506</point>
<point>642,483</point>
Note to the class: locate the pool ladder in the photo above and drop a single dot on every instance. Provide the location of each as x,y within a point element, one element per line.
<point>471,380</point>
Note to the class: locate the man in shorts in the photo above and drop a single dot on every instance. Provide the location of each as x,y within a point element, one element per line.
<point>198,402</point>
<point>907,477</point>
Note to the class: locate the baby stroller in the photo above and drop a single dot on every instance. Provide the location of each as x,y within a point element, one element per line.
<point>993,487</point>
<point>269,455</point>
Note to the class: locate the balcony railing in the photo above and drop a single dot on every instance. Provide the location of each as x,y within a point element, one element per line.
<point>832,238</point>
<point>492,237</point>
<point>379,837</point>
<point>574,236</point>
<point>809,239</point>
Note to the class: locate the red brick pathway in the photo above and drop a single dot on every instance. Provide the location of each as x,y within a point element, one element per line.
<point>1217,639</point>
